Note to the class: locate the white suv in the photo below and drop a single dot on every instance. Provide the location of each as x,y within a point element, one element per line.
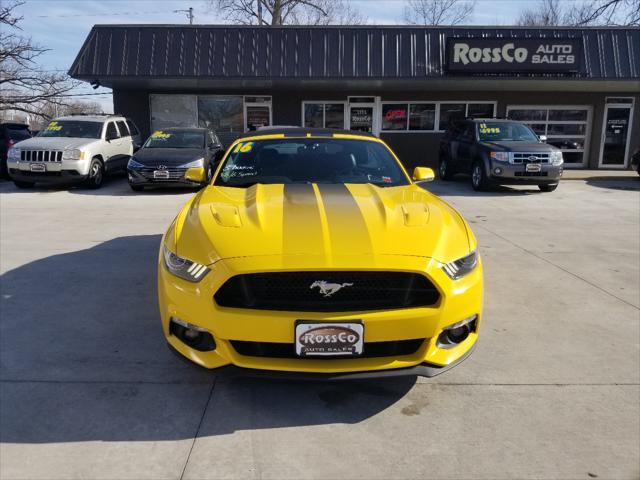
<point>79,148</point>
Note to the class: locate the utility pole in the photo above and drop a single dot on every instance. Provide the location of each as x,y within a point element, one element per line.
<point>189,13</point>
<point>259,12</point>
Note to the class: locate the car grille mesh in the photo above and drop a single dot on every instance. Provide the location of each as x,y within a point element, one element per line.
<point>533,157</point>
<point>173,174</point>
<point>395,348</point>
<point>300,291</point>
<point>41,155</point>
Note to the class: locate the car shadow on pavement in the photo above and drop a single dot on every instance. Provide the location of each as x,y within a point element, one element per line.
<point>630,184</point>
<point>82,358</point>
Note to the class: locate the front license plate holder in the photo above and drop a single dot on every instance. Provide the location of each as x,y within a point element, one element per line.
<point>161,174</point>
<point>533,167</point>
<point>329,339</point>
<point>38,167</point>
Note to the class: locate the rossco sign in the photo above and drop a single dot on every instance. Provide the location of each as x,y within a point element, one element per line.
<point>493,55</point>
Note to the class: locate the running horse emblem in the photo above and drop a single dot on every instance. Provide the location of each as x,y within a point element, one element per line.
<point>327,289</point>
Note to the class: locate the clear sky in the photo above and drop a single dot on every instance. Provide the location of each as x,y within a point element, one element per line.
<point>62,25</point>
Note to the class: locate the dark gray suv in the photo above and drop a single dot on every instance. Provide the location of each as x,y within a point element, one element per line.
<point>499,152</point>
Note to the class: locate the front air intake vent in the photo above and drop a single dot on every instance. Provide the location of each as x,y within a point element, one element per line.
<point>324,291</point>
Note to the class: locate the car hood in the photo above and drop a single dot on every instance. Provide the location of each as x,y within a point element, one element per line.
<point>321,220</point>
<point>171,157</point>
<point>55,143</point>
<point>511,146</point>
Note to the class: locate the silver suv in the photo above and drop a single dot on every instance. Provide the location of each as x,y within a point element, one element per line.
<point>74,149</point>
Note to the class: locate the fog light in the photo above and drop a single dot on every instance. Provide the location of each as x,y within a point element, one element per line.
<point>497,170</point>
<point>457,333</point>
<point>194,336</point>
<point>191,334</point>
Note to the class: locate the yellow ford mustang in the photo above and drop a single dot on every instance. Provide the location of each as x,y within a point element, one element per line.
<point>312,252</point>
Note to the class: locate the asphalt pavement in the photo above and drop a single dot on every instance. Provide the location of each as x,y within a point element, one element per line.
<point>88,388</point>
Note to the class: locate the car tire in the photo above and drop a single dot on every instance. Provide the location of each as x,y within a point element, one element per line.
<point>546,187</point>
<point>444,169</point>
<point>96,174</point>
<point>479,180</point>
<point>20,184</point>
<point>136,188</point>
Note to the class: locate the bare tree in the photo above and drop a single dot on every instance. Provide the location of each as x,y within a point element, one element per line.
<point>331,12</point>
<point>438,12</point>
<point>25,87</point>
<point>594,12</point>
<point>283,12</point>
<point>544,13</point>
<point>48,110</point>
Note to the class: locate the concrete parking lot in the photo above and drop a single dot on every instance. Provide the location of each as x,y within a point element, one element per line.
<point>89,390</point>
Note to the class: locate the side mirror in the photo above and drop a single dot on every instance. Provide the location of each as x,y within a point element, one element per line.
<point>543,138</point>
<point>423,174</point>
<point>195,174</point>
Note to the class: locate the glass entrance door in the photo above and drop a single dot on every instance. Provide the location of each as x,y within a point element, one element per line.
<point>363,114</point>
<point>361,118</point>
<point>615,138</point>
<point>257,115</point>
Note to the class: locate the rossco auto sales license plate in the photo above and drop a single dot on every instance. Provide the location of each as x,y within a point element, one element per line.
<point>328,338</point>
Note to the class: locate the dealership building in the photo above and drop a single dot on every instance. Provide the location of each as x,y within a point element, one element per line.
<point>580,87</point>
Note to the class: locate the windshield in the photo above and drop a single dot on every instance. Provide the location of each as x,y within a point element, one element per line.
<point>175,139</point>
<point>310,160</point>
<point>72,129</point>
<point>506,131</point>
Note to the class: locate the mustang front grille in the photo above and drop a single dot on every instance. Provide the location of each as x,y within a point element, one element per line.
<point>395,348</point>
<point>324,291</point>
<point>41,155</point>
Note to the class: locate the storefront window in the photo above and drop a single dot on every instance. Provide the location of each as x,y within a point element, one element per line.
<point>480,110</point>
<point>313,117</point>
<point>450,112</point>
<point>422,116</point>
<point>528,115</point>
<point>173,111</point>
<point>220,113</point>
<point>394,116</point>
<point>323,115</point>
<point>568,115</point>
<point>334,115</point>
<point>564,127</point>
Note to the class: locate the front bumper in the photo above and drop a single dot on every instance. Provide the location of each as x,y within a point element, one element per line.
<point>64,172</point>
<point>145,179</point>
<point>51,177</point>
<point>516,174</point>
<point>193,303</point>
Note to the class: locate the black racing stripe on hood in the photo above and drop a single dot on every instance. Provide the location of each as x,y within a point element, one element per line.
<point>347,226</point>
<point>301,222</point>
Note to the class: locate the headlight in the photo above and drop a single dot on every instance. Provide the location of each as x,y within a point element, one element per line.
<point>133,164</point>
<point>14,154</point>
<point>556,158</point>
<point>461,267</point>
<point>183,268</point>
<point>500,156</point>
<point>73,154</point>
<point>195,164</point>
